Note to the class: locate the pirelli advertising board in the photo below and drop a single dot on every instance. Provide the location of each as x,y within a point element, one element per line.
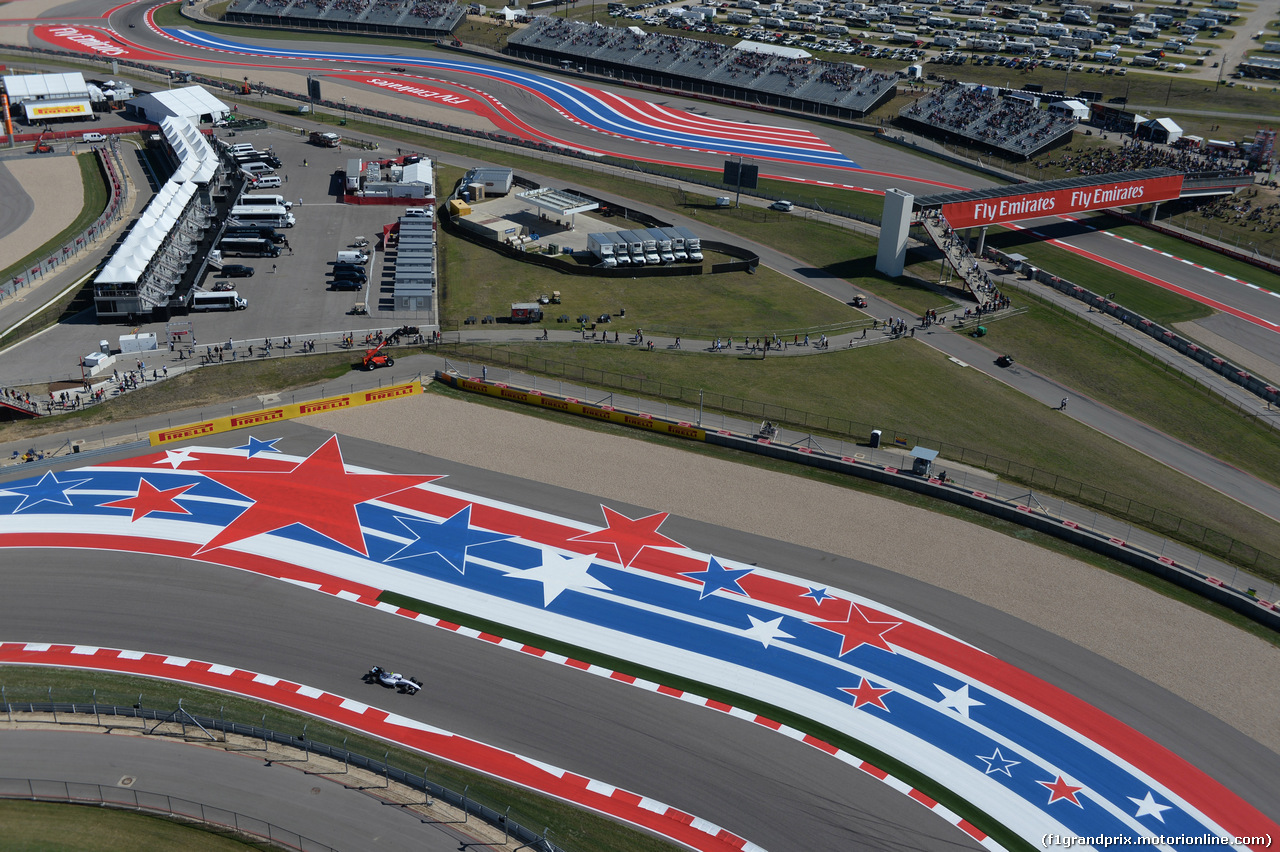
<point>582,409</point>
<point>1011,208</point>
<point>282,412</point>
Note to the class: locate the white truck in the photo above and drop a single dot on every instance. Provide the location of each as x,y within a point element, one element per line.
<point>649,246</point>
<point>635,247</point>
<point>601,246</point>
<point>692,243</point>
<point>663,243</point>
<point>677,243</point>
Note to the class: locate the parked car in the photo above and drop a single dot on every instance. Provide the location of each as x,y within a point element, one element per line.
<point>346,284</point>
<point>237,270</point>
<point>784,206</point>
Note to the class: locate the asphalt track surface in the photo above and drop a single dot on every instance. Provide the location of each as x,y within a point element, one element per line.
<point>18,205</point>
<point>882,165</point>
<point>290,798</point>
<point>765,787</point>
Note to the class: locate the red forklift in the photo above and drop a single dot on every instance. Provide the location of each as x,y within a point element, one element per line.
<point>373,358</point>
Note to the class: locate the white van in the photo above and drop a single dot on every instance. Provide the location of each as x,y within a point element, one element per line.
<point>268,182</point>
<point>358,257</point>
<point>256,169</point>
<point>94,137</point>
<point>243,148</point>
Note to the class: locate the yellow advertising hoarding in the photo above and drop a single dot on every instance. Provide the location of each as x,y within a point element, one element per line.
<point>59,110</point>
<point>570,405</point>
<point>281,412</point>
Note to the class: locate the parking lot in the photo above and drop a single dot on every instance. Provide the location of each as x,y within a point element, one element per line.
<point>287,296</point>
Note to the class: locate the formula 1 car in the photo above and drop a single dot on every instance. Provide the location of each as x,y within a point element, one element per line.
<point>392,680</point>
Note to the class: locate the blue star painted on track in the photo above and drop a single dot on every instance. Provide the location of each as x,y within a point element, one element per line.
<point>997,762</point>
<point>255,446</point>
<point>819,595</point>
<point>49,489</point>
<point>716,577</point>
<point>448,539</point>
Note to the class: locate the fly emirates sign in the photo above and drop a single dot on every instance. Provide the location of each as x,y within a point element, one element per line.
<point>1011,208</point>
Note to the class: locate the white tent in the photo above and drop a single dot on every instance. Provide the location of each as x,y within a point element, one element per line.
<point>1073,108</point>
<point>1162,130</point>
<point>192,103</point>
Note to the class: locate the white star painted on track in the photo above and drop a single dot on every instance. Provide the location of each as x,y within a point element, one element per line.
<point>957,699</point>
<point>1149,807</point>
<point>997,762</point>
<point>765,631</point>
<point>559,573</point>
<point>176,458</point>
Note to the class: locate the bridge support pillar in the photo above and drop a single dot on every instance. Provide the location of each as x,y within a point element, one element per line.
<point>895,226</point>
<point>982,242</point>
<point>1155,208</point>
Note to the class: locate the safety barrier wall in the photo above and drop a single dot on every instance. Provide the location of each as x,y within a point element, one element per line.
<point>1203,356</point>
<point>188,431</point>
<point>463,801</point>
<point>1077,533</point>
<point>569,405</point>
<point>78,134</point>
<point>113,171</point>
<point>80,793</point>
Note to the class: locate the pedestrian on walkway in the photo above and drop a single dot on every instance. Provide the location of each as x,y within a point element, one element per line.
<point>1062,406</point>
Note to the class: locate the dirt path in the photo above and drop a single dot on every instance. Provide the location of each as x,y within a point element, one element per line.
<point>1214,666</point>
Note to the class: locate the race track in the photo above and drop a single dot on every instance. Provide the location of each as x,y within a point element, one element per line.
<point>775,792</point>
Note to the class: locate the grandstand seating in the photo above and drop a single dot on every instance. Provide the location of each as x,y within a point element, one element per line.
<point>409,17</point>
<point>816,83</point>
<point>981,115</point>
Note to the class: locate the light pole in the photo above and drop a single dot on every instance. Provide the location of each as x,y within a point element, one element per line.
<point>344,112</point>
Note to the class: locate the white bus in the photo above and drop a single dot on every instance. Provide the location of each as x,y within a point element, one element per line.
<point>227,300</point>
<point>248,247</point>
<point>262,214</point>
<point>268,200</point>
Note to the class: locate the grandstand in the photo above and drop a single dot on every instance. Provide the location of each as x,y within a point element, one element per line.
<point>981,115</point>
<point>838,89</point>
<point>422,18</point>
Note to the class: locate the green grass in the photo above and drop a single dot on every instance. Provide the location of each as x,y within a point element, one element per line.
<point>207,386</point>
<point>94,199</point>
<point>47,827</point>
<point>576,829</point>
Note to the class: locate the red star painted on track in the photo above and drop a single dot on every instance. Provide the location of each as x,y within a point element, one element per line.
<point>628,537</point>
<point>858,630</point>
<point>318,493</point>
<point>151,499</point>
<point>1060,789</point>
<point>865,693</point>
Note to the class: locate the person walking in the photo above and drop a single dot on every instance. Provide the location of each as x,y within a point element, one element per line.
<point>1062,406</point>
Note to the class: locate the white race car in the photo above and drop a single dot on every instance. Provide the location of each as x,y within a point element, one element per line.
<point>392,680</point>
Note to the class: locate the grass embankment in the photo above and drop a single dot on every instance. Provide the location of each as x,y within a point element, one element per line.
<point>207,386</point>
<point>49,827</point>
<point>574,828</point>
<point>96,193</point>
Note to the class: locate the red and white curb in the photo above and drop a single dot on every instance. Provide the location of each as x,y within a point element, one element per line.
<point>687,697</point>
<point>674,824</point>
